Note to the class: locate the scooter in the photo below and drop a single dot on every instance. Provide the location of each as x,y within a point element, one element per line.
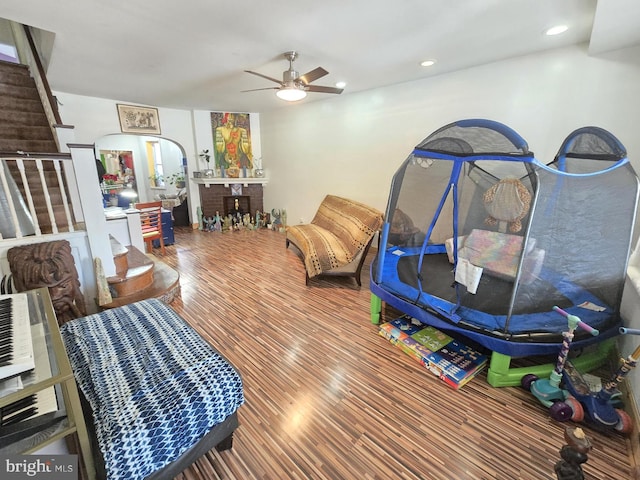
<point>600,407</point>
<point>562,404</point>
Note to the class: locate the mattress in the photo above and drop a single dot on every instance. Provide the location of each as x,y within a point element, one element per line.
<point>154,385</point>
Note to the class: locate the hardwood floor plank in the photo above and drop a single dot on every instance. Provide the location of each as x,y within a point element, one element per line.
<point>328,398</point>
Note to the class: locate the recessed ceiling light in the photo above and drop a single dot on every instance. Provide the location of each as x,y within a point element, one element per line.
<point>427,63</point>
<point>341,84</point>
<point>557,30</point>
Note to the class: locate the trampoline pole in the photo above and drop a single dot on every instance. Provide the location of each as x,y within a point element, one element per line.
<point>382,248</point>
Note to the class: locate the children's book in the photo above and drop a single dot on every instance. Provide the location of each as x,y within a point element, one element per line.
<point>458,363</point>
<point>432,338</point>
<point>450,359</point>
<point>399,329</point>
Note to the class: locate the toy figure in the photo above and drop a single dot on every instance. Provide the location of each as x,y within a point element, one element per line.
<point>229,222</point>
<point>208,224</point>
<point>200,219</point>
<point>236,215</point>
<point>217,224</point>
<point>258,219</point>
<point>275,215</point>
<point>574,454</point>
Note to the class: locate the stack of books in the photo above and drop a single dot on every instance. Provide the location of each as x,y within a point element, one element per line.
<point>447,358</point>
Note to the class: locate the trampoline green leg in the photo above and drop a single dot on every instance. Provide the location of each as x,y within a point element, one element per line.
<point>501,375</point>
<point>376,308</point>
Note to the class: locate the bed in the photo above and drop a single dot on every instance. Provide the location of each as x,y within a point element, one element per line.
<point>158,395</point>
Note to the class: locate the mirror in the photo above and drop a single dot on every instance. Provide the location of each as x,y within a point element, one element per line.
<point>119,163</point>
<point>152,165</point>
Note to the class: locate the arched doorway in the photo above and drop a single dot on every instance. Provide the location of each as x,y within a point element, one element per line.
<point>153,166</point>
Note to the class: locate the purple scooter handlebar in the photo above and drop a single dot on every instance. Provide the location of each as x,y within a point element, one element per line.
<point>593,331</point>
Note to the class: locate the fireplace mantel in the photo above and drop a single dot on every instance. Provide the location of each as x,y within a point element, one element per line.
<point>226,181</point>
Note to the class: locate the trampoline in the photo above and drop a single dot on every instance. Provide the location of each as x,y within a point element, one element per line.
<point>482,239</point>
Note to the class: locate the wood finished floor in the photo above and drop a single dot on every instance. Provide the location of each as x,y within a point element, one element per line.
<point>327,398</point>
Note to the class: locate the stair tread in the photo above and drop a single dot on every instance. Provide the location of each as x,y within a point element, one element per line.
<point>131,273</point>
<point>117,249</point>
<point>15,68</point>
<point>136,258</point>
<point>166,286</point>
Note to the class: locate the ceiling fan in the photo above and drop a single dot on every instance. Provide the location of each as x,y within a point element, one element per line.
<point>294,86</point>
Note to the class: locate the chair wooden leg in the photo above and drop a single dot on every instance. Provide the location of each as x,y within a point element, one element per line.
<point>162,245</point>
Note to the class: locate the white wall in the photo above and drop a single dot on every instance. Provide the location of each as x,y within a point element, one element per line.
<point>94,118</point>
<point>351,145</point>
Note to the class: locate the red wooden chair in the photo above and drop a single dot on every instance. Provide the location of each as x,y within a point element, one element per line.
<point>151,220</point>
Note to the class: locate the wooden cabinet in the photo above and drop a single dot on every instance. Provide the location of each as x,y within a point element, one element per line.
<point>167,230</point>
<point>52,375</point>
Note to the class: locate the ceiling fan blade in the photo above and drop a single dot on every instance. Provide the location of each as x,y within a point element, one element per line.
<point>314,74</point>
<point>256,89</point>
<point>319,89</point>
<point>264,76</point>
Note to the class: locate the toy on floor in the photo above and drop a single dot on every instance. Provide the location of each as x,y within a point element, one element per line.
<point>576,401</point>
<point>600,407</point>
<point>561,403</point>
<point>574,454</point>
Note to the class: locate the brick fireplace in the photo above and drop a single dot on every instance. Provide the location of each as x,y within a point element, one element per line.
<point>219,198</point>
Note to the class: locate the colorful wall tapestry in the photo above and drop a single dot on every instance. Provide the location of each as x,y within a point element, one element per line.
<point>232,139</point>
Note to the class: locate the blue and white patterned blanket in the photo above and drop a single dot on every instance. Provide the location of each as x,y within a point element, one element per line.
<point>154,385</point>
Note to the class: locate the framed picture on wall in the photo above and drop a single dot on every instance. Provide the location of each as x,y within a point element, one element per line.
<point>135,119</point>
<point>236,189</point>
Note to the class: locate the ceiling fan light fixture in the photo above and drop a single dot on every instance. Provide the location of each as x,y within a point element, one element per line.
<point>291,94</point>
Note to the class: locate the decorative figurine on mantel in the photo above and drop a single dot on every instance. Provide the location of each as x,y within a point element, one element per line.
<point>574,454</point>
<point>257,167</point>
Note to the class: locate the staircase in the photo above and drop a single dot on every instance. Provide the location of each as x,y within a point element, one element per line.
<point>24,127</point>
<point>139,276</point>
<point>23,122</point>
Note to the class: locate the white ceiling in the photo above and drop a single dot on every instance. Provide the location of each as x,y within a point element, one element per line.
<point>191,54</point>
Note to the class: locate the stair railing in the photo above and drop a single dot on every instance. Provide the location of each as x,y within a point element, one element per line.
<point>29,182</point>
